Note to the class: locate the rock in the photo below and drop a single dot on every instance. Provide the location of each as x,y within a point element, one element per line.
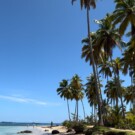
<point>55,132</point>
<point>25,131</point>
<point>70,130</point>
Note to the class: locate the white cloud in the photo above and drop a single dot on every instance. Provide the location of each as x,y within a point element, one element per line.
<point>15,99</point>
<point>27,100</point>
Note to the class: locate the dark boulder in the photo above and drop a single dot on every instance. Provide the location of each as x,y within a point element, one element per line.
<point>55,132</point>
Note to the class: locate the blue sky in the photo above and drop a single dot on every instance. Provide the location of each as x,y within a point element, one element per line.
<point>40,44</point>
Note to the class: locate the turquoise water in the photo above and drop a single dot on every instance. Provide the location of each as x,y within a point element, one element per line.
<point>12,130</point>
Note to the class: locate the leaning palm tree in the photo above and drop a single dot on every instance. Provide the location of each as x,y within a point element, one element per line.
<point>87,4</point>
<point>65,91</point>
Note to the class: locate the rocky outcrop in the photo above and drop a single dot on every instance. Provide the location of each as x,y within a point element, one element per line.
<point>25,131</point>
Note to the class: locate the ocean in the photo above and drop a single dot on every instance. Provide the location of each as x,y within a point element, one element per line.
<point>12,130</point>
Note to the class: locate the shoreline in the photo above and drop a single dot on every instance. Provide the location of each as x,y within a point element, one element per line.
<point>48,129</point>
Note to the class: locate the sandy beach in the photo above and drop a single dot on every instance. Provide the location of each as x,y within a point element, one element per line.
<point>48,129</point>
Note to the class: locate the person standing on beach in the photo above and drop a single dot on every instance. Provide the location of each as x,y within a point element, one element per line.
<point>51,123</point>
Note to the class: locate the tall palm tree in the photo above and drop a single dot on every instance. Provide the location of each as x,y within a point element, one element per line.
<point>87,4</point>
<point>65,92</point>
<point>76,87</point>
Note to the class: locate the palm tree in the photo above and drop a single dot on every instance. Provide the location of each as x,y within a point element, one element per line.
<point>65,91</point>
<point>116,69</point>
<point>76,87</point>
<point>91,94</point>
<point>86,54</point>
<point>128,61</point>
<point>87,4</point>
<point>129,96</point>
<point>106,111</point>
<point>116,114</point>
<point>111,92</point>
<point>105,68</point>
<point>124,15</point>
<point>107,37</point>
<point>86,50</point>
<point>90,91</point>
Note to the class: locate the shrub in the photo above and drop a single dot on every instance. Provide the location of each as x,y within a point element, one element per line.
<point>89,131</point>
<point>79,127</point>
<point>67,124</point>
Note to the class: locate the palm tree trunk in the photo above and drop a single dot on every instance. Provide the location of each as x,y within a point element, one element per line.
<point>120,91</point>
<point>94,71</point>
<point>92,114</point>
<point>117,101</point>
<point>132,30</point>
<point>68,111</point>
<point>95,114</point>
<point>83,108</point>
<point>133,34</point>
<point>98,81</point>
<point>76,110</point>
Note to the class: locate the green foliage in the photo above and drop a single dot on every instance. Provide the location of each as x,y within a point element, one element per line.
<point>67,124</point>
<point>127,123</point>
<point>115,133</point>
<point>90,120</point>
<point>96,130</point>
<point>101,128</point>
